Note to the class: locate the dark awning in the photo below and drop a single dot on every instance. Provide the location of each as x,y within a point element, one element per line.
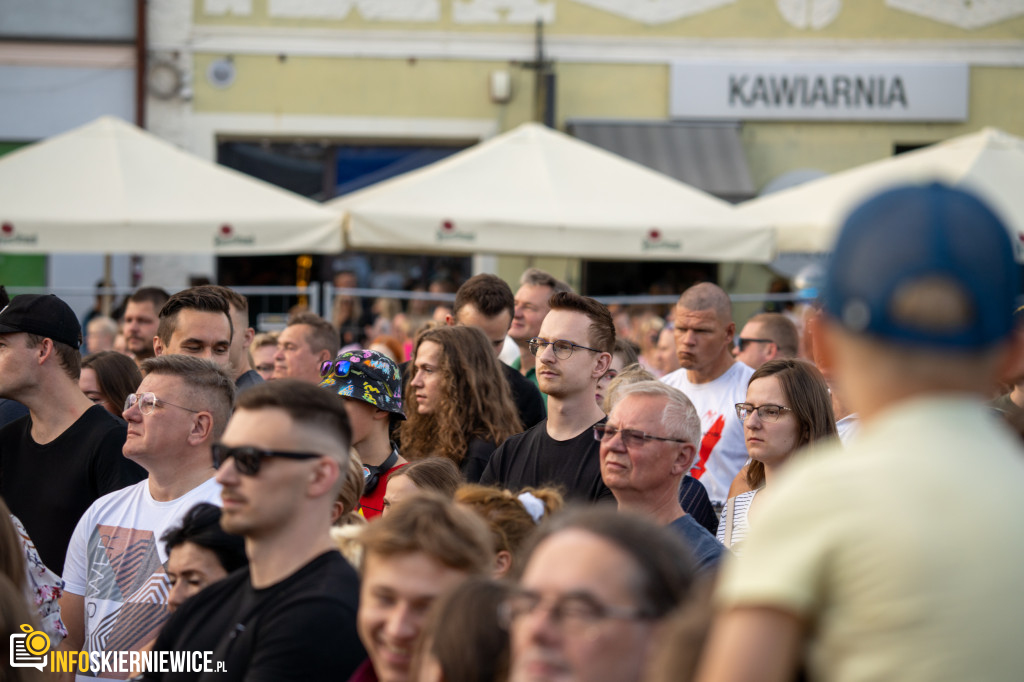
<point>707,156</point>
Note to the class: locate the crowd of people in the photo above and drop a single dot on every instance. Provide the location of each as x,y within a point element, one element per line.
<point>639,495</point>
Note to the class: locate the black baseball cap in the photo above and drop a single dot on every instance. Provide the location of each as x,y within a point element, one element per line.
<point>42,315</point>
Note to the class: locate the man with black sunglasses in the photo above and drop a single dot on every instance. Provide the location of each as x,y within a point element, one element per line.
<point>647,446</point>
<point>573,351</point>
<point>116,586</point>
<point>291,614</point>
<point>766,336</point>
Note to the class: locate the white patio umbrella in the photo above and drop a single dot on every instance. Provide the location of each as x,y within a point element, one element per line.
<point>989,162</point>
<point>536,191</point>
<point>109,187</point>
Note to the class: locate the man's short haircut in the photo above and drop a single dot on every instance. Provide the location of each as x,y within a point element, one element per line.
<point>602,327</point>
<point>679,417</point>
<point>197,298</point>
<point>781,330</point>
<point>208,386</point>
<point>234,299</point>
<point>263,339</point>
<point>101,324</point>
<point>707,296</point>
<point>155,295</point>
<point>538,278</point>
<point>68,358</point>
<point>322,335</point>
<point>665,567</point>
<point>201,527</point>
<point>627,350</point>
<point>489,294</point>
<point>305,403</point>
<point>439,528</point>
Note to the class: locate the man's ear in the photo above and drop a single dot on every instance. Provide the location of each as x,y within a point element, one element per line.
<point>202,428</point>
<point>604,361</point>
<point>684,462</point>
<point>323,477</point>
<point>449,320</point>
<point>45,349</point>
<point>250,334</point>
<point>158,346</point>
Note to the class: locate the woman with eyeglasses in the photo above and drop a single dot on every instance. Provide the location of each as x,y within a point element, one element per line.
<point>462,406</point>
<point>787,407</point>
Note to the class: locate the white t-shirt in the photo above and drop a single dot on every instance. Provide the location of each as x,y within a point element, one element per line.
<point>847,427</point>
<point>722,448</point>
<point>116,562</point>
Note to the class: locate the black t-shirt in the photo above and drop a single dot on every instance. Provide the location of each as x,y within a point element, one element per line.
<point>478,454</point>
<point>50,486</point>
<point>535,459</point>
<point>526,396</point>
<point>303,628</point>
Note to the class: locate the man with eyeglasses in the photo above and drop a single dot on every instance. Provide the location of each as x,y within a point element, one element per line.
<point>647,447</point>
<point>291,614</point>
<point>485,301</point>
<point>116,587</point>
<point>892,558</point>
<point>766,336</point>
<point>595,588</point>
<point>713,381</point>
<point>573,352</point>
<point>66,452</point>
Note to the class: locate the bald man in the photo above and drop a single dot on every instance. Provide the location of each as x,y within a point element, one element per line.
<point>714,382</point>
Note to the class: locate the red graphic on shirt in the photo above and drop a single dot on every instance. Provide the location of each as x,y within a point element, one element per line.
<point>707,444</point>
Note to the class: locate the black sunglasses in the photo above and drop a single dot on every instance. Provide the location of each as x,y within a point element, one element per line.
<point>248,458</point>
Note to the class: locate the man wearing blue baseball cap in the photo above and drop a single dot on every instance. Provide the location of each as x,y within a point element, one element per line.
<point>900,558</point>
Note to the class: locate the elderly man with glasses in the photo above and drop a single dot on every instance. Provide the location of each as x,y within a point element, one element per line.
<point>595,589</point>
<point>291,615</point>
<point>116,587</point>
<point>573,351</point>
<point>647,446</point>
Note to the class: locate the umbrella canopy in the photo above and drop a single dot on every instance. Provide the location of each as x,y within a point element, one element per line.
<point>808,216</point>
<point>109,187</point>
<point>537,191</point>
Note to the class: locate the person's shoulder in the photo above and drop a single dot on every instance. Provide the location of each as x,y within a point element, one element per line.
<point>97,425</point>
<point>739,373</point>
<point>524,438</point>
<point>128,495</point>
<point>479,448</point>
<point>676,378</point>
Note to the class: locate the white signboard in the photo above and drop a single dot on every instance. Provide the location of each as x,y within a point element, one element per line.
<point>821,91</point>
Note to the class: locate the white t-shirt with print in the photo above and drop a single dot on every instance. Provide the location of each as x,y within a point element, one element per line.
<point>722,451</point>
<point>116,562</point>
